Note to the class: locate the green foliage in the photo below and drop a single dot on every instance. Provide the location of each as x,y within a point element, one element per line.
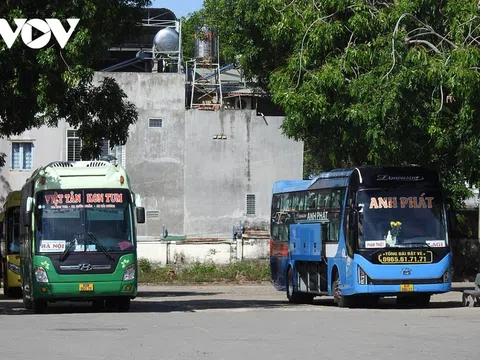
<point>190,26</point>
<point>367,82</point>
<point>144,265</point>
<point>39,87</point>
<point>204,272</point>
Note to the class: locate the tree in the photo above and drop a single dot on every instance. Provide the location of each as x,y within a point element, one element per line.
<point>367,81</point>
<point>39,87</point>
<point>189,27</point>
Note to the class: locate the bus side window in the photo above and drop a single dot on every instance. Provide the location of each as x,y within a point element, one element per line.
<point>295,201</point>
<point>301,202</point>
<point>287,202</point>
<point>334,227</point>
<point>337,197</point>
<point>325,235</point>
<point>312,200</point>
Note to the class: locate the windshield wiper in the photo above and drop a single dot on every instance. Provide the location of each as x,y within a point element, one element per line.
<point>101,246</point>
<point>67,250</point>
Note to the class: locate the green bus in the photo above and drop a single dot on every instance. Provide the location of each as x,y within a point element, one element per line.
<point>78,235</point>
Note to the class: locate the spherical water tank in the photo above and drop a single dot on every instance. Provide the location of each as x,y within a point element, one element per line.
<point>205,44</point>
<point>166,40</point>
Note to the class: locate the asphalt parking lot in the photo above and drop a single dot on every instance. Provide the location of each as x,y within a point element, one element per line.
<point>238,322</point>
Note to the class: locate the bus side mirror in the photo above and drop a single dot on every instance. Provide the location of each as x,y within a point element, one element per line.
<point>28,212</point>
<point>140,212</point>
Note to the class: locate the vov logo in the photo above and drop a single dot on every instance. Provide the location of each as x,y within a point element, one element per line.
<point>47,27</point>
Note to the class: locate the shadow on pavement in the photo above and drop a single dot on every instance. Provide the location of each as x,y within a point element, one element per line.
<point>391,304</point>
<point>203,304</point>
<point>7,308</point>
<point>161,305</point>
<point>462,288</point>
<point>162,294</point>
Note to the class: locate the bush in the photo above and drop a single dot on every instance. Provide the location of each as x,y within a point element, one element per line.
<point>205,272</point>
<point>144,265</point>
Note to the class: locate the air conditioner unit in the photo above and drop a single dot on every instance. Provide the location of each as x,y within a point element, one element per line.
<point>243,103</point>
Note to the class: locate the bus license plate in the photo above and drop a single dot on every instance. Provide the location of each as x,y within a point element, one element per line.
<point>85,287</point>
<point>406,287</point>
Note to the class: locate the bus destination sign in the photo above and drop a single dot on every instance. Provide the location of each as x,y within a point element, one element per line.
<point>82,199</point>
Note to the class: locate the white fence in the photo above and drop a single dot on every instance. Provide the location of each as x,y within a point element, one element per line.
<point>164,252</point>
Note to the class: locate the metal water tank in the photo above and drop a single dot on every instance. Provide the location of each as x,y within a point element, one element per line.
<point>206,44</point>
<point>166,40</point>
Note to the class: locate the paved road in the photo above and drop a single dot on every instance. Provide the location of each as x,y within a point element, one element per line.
<point>239,322</point>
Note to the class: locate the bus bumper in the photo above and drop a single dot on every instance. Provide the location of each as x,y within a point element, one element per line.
<point>395,280</point>
<point>397,289</point>
<point>85,291</point>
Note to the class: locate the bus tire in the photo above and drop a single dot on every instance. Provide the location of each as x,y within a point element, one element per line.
<point>110,304</point>
<point>338,298</point>
<point>422,300</point>
<point>123,304</point>
<point>6,289</point>
<point>39,306</point>
<point>98,305</point>
<point>13,293</point>
<point>293,296</point>
<point>27,304</point>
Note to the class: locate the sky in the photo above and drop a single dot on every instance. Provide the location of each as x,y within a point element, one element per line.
<point>179,7</point>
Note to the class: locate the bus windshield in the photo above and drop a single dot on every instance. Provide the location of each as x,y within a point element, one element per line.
<point>13,236</point>
<point>401,218</point>
<point>84,220</point>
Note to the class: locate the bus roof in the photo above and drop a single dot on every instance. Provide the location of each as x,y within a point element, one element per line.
<point>369,176</point>
<point>290,185</point>
<point>283,186</point>
<point>79,174</point>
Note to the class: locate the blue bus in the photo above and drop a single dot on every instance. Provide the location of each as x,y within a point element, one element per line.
<point>361,234</point>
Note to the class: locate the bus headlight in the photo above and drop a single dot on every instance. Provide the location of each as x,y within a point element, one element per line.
<point>362,276</point>
<point>129,273</point>
<point>41,275</point>
<point>14,268</point>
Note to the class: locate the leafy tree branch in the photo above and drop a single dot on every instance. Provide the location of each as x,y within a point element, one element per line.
<point>40,87</point>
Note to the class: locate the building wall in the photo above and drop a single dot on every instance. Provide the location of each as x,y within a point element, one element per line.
<point>220,173</point>
<point>191,183</point>
<point>49,144</point>
<point>155,156</point>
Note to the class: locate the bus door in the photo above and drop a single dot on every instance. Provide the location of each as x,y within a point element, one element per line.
<point>279,239</point>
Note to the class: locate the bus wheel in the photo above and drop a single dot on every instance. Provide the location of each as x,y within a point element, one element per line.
<point>293,296</point>
<point>338,298</point>
<point>39,306</point>
<point>422,300</point>
<point>110,304</point>
<point>27,304</point>
<point>98,305</point>
<point>123,304</point>
<point>14,293</point>
<point>6,289</point>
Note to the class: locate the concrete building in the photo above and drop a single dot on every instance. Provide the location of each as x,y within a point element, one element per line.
<point>199,172</point>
